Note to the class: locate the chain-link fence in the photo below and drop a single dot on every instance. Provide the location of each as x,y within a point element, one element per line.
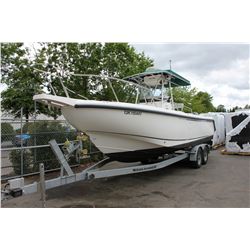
<point>25,144</point>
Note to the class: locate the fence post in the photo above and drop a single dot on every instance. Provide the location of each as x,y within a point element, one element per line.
<point>35,135</point>
<point>42,184</point>
<point>21,141</point>
<point>90,149</point>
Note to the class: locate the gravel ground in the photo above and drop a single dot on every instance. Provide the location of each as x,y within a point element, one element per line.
<point>223,182</point>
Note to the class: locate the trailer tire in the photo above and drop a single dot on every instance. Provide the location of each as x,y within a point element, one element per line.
<point>205,155</point>
<point>198,161</point>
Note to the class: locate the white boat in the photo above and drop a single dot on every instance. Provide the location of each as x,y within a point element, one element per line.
<point>146,129</point>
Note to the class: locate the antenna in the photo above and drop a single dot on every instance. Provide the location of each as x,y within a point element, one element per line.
<point>170,87</point>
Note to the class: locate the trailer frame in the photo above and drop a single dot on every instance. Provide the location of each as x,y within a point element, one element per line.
<point>96,171</point>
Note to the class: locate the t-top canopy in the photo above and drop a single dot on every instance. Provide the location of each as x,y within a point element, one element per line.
<point>176,79</point>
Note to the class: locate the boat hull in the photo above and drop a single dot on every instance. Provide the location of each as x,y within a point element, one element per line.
<point>136,133</point>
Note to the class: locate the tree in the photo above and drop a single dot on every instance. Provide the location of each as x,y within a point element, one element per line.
<point>247,106</point>
<point>109,59</point>
<point>16,156</point>
<point>235,109</point>
<point>200,102</point>
<point>120,60</point>
<point>21,72</point>
<point>7,131</point>
<point>43,132</point>
<point>21,80</point>
<point>221,108</point>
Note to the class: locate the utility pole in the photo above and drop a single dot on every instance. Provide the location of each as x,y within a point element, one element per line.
<point>170,64</point>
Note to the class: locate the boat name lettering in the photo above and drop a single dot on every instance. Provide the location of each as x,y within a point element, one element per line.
<point>129,112</point>
<point>145,168</point>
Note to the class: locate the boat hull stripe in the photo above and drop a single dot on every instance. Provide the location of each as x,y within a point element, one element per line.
<point>162,139</point>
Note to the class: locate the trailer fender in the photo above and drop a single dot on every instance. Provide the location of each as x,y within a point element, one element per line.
<point>194,150</point>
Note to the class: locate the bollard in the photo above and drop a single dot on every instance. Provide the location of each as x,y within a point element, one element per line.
<point>42,185</point>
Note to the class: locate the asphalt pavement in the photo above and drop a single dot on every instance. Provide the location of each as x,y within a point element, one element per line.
<point>223,182</point>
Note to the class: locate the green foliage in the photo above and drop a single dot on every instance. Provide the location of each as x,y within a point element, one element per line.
<point>59,59</point>
<point>235,109</point>
<point>22,81</point>
<point>42,132</point>
<point>199,102</point>
<point>202,103</point>
<point>109,59</point>
<point>16,159</point>
<point>121,60</point>
<point>183,95</point>
<point>47,130</point>
<point>7,131</point>
<point>221,108</point>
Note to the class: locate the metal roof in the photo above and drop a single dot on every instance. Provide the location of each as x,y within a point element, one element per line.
<point>176,79</point>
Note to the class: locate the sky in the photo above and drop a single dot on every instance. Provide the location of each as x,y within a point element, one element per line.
<point>222,70</point>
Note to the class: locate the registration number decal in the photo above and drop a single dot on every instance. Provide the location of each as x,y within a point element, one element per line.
<point>129,112</point>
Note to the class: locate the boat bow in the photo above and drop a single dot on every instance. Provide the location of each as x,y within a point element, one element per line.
<point>57,101</point>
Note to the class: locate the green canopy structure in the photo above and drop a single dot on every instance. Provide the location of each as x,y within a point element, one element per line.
<point>176,79</point>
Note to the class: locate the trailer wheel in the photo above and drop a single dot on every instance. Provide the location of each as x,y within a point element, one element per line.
<point>198,161</point>
<point>205,156</point>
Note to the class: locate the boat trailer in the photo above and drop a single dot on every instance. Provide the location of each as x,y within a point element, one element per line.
<point>198,156</point>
